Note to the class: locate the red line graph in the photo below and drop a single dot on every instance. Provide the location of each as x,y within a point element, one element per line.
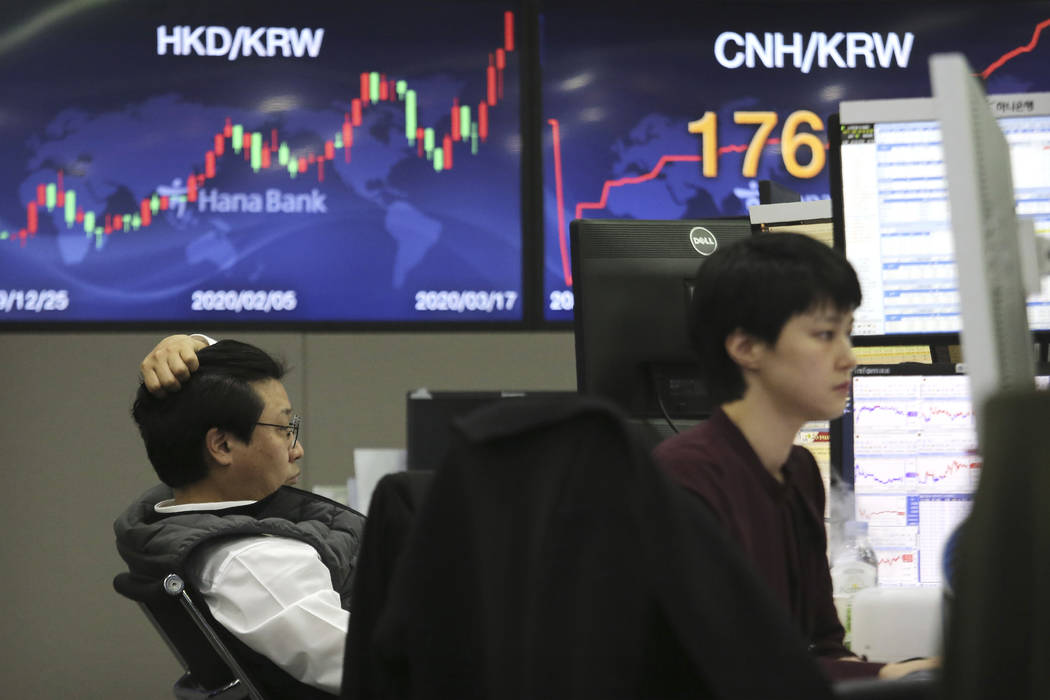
<point>953,467</point>
<point>904,558</point>
<point>933,413</point>
<point>739,148</point>
<point>1010,55</point>
<point>651,175</point>
<point>559,190</point>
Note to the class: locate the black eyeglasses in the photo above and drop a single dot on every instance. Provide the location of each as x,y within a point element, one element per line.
<point>292,429</point>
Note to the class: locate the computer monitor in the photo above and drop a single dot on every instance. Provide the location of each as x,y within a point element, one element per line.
<point>770,192</point>
<point>993,249</point>
<point>430,415</point>
<point>890,206</point>
<point>633,286</point>
<point>998,635</point>
<point>907,442</point>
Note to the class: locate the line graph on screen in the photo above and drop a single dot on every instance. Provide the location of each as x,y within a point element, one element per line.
<point>670,160</point>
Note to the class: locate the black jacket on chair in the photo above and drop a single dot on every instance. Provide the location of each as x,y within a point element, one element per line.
<point>391,514</point>
<point>550,559</point>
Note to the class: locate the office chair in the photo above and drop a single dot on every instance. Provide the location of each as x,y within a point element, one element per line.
<point>211,671</point>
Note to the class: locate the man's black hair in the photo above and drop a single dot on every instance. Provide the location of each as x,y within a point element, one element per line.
<point>757,285</point>
<point>218,395</point>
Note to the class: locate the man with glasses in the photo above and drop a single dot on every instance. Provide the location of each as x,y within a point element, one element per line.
<point>273,563</point>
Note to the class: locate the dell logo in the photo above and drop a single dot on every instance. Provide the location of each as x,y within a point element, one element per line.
<point>704,242</point>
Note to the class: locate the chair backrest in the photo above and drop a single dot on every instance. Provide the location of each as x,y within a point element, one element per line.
<point>188,633</point>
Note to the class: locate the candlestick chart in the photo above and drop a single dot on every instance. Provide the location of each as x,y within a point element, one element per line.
<point>357,183</point>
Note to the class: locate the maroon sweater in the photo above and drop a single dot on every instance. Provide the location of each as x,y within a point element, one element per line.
<point>780,526</point>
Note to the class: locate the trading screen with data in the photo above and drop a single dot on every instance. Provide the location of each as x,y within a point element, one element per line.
<point>895,211</point>
<point>909,440</point>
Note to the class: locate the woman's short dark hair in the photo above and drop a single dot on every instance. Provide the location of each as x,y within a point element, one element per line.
<point>756,285</point>
<point>218,395</point>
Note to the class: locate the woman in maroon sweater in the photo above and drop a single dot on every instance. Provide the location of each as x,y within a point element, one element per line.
<point>771,320</point>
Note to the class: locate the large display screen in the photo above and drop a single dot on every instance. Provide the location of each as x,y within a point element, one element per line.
<point>260,161</point>
<point>678,110</point>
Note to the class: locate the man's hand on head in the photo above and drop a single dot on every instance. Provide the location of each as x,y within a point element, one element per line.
<point>170,363</point>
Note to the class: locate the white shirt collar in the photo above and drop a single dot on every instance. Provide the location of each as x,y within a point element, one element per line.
<point>169,506</point>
